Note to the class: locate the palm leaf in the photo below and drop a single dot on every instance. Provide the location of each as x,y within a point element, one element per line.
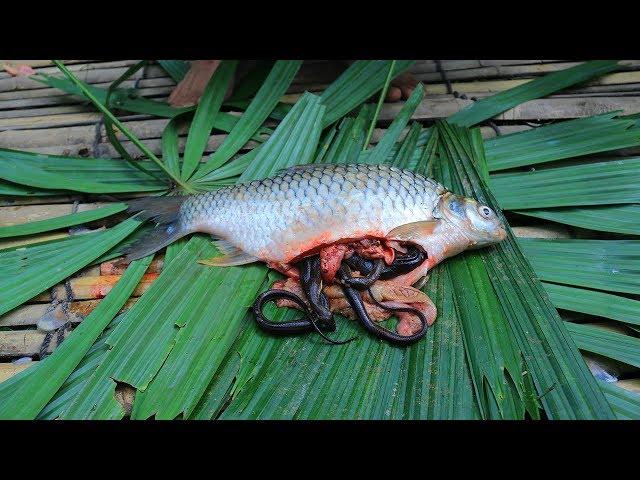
<point>572,138</point>
<point>170,146</point>
<point>605,218</point>
<point>382,150</point>
<point>564,384</point>
<point>274,86</point>
<point>618,346</point>
<point>204,118</point>
<point>487,108</point>
<point>60,222</point>
<point>121,98</point>
<point>109,126</point>
<point>435,381</point>
<point>115,122</point>
<point>349,141</point>
<point>250,83</point>
<point>496,364</point>
<point>609,265</point>
<point>219,390</point>
<point>155,327</point>
<point>408,147</point>
<point>625,404</point>
<point>30,396</point>
<point>97,175</point>
<point>595,303</point>
<point>361,80</point>
<point>76,380</point>
<point>176,69</point>
<point>28,271</point>
<point>16,190</point>
<point>598,183</point>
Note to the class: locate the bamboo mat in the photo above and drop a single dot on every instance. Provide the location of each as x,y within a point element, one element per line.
<point>34,117</point>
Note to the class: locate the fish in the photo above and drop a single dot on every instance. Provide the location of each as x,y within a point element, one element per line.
<point>302,209</point>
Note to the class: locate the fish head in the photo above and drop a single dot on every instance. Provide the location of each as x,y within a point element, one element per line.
<point>477,222</point>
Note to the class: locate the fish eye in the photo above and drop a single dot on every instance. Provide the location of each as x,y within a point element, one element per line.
<point>485,211</point>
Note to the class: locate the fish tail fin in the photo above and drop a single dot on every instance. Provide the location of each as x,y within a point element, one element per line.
<point>158,209</point>
<point>165,212</point>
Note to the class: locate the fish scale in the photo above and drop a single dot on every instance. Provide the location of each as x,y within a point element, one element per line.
<point>279,218</point>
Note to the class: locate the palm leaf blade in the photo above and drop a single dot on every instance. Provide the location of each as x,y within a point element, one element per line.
<point>98,175</point>
<point>361,80</point>
<point>618,346</point>
<point>21,281</point>
<point>607,218</point>
<point>45,380</point>
<point>487,108</point>
<point>177,69</point>
<point>204,118</point>
<point>380,152</point>
<point>609,265</point>
<point>626,405</point>
<point>61,222</point>
<point>593,302</point>
<point>565,386</point>
<point>274,86</point>
<point>598,183</point>
<point>571,138</point>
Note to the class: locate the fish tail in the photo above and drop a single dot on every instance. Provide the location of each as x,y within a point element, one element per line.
<point>165,212</point>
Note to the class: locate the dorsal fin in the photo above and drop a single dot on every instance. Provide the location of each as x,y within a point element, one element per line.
<point>303,168</point>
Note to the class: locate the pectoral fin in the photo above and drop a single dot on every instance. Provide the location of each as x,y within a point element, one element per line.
<point>231,256</point>
<point>411,231</point>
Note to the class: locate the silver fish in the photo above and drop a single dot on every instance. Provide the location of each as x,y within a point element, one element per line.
<point>278,219</point>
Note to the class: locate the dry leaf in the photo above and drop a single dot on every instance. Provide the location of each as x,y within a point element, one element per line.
<point>21,70</point>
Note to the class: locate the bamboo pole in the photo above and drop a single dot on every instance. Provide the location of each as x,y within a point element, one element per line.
<point>44,237</point>
<point>67,99</point>
<point>632,384</point>
<point>95,287</point>
<point>8,370</point>
<point>22,343</point>
<point>28,315</point>
<point>54,92</point>
<point>33,213</point>
<point>93,73</point>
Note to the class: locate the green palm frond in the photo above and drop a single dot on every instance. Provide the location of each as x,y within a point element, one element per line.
<point>593,302</point>
<point>176,69</point>
<point>28,271</point>
<point>487,108</point>
<point>205,116</point>
<point>599,183</point>
<point>609,265</point>
<point>571,138</point>
<point>61,222</point>
<point>625,404</point>
<point>101,175</point>
<point>190,349</point>
<point>265,100</point>
<point>605,218</point>
<point>65,359</point>
<point>617,346</point>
